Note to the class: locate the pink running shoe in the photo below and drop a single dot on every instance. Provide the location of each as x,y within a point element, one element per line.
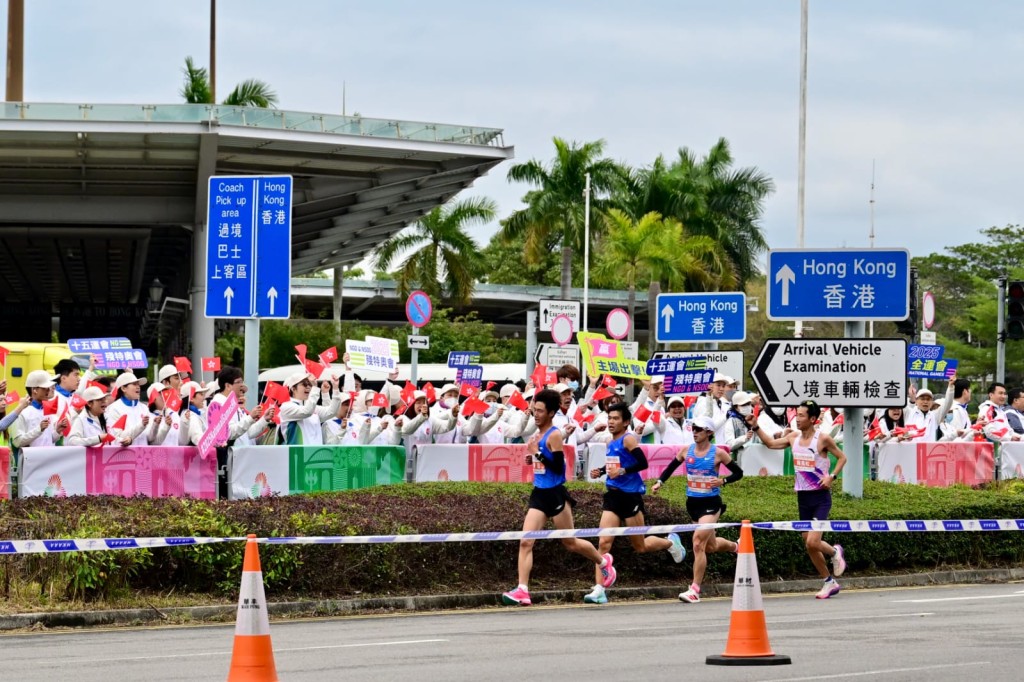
<point>608,571</point>
<point>516,597</point>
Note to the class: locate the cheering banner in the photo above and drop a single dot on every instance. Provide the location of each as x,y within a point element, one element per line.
<point>1011,459</point>
<point>937,464</point>
<point>262,471</point>
<point>125,472</point>
<point>492,463</point>
<point>5,474</point>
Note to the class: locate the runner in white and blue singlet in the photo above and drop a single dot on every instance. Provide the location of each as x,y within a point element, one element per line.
<point>703,499</point>
<point>550,500</point>
<point>813,484</point>
<point>624,498</point>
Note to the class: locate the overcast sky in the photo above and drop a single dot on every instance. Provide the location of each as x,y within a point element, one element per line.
<point>929,89</point>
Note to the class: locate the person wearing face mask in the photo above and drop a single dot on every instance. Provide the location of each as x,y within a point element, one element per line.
<point>731,388</point>
<point>570,376</point>
<point>489,428</point>
<point>128,405</point>
<point>738,435</point>
<point>519,424</point>
<point>716,406</point>
<point>446,415</point>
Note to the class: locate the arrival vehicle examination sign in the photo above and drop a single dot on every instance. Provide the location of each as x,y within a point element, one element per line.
<point>833,372</point>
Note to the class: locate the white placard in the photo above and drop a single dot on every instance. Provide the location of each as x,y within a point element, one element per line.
<point>550,309</point>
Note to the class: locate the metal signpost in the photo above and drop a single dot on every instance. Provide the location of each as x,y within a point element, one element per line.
<point>702,317</point>
<point>418,310</point>
<point>249,255</point>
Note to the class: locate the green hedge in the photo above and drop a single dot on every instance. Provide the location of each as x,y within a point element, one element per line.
<point>337,571</point>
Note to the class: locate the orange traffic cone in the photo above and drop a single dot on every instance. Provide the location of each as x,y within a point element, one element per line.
<point>252,658</point>
<point>748,633</point>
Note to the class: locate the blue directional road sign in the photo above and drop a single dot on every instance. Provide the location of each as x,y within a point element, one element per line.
<point>702,318</point>
<point>249,246</point>
<point>839,284</point>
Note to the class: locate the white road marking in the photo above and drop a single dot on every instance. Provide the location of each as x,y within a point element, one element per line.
<point>941,599</point>
<point>196,654</point>
<point>777,621</point>
<point>866,673</point>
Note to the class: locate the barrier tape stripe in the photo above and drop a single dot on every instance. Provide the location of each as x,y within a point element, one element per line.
<point>57,546</point>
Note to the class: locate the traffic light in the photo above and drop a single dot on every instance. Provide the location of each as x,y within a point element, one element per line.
<point>908,326</point>
<point>1015,311</point>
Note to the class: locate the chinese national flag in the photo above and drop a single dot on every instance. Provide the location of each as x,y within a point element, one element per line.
<point>50,407</point>
<point>96,384</point>
<point>408,391</point>
<point>873,433</point>
<point>642,414</point>
<point>468,391</point>
<point>67,429</point>
<point>490,385</point>
<point>539,376</point>
<point>757,411</point>
<point>11,398</point>
<point>172,400</point>
<point>602,393</point>
<point>656,417</point>
<point>428,388</point>
<point>183,365</point>
<point>474,406</point>
<point>107,439</point>
<point>77,401</point>
<point>276,392</point>
<point>589,418</point>
<point>211,364</point>
<point>330,355</point>
<point>517,401</point>
<point>301,350</point>
<point>608,381</point>
<point>120,423</point>
<point>379,400</point>
<point>3,356</point>
<point>579,417</point>
<point>689,400</point>
<point>314,368</point>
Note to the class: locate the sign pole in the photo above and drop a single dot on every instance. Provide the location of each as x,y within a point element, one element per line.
<point>252,361</point>
<point>531,341</point>
<point>1001,331</point>
<point>853,433</point>
<point>415,361</point>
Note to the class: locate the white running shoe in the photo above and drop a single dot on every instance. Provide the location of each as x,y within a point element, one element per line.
<point>677,550</point>
<point>596,596</point>
<point>838,562</point>
<point>827,590</point>
<point>691,596</point>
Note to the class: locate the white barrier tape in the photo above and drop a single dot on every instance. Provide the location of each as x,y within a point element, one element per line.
<point>101,544</point>
<point>925,526</point>
<point>490,536</point>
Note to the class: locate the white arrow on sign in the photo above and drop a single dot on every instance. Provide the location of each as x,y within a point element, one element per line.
<point>228,295</point>
<point>272,295</point>
<point>667,314</point>
<point>787,277</point>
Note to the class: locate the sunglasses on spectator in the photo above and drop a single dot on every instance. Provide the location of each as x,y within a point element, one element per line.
<point>697,429</point>
<point>305,384</point>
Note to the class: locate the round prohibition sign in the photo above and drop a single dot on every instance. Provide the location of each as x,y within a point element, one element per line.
<point>617,323</point>
<point>418,309</point>
<point>561,330</point>
<point>928,310</point>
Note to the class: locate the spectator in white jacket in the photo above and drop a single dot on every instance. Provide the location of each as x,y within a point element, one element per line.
<point>715,406</point>
<point>302,418</point>
<point>243,422</point>
<point>921,415</point>
<point>338,431</point>
<point>32,428</point>
<point>487,428</point>
<point>194,421</point>
<point>89,428</point>
<point>447,401</point>
<point>519,424</point>
<point>128,405</point>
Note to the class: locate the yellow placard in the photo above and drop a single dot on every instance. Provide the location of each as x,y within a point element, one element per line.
<point>602,355</point>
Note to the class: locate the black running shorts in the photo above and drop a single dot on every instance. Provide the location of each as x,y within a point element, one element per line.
<point>551,501</point>
<point>698,507</point>
<point>624,505</point>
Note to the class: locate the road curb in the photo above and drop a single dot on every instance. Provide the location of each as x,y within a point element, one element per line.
<point>327,607</point>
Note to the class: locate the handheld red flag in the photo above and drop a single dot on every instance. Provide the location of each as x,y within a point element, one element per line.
<point>50,407</point>
<point>211,364</point>
<point>276,392</point>
<point>602,393</point>
<point>301,350</point>
<point>183,365</point>
<point>539,376</point>
<point>474,406</point>
<point>120,423</point>
<point>517,401</point>
<point>490,385</point>
<point>408,391</point>
<point>589,418</point>
<point>11,398</point>
<point>96,384</point>
<point>689,400</point>
<point>3,356</point>
<point>379,400</point>
<point>656,417</point>
<point>330,355</point>
<point>67,429</point>
<point>77,401</point>
<point>428,388</point>
<point>468,391</point>
<point>642,414</point>
<point>106,439</point>
<point>172,400</point>
<point>608,381</point>
<point>314,368</point>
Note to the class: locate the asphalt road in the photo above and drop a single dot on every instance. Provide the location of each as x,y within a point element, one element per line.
<point>935,634</point>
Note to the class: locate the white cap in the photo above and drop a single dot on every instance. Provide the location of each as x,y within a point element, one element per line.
<point>416,395</point>
<point>93,393</point>
<point>166,372</point>
<point>924,391</point>
<point>673,399</point>
<point>394,395</point>
<point>741,398</point>
<point>155,388</point>
<point>560,388</point>
<point>657,379</point>
<point>719,377</point>
<point>447,388</point>
<point>188,388</point>
<point>507,390</point>
<point>704,422</point>
<point>209,389</point>
<point>294,379</point>
<point>129,378</point>
<point>345,397</point>
<point>485,394</point>
<point>39,378</point>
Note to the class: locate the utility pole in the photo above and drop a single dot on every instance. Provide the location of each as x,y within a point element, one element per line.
<point>871,233</point>
<point>798,326</point>
<point>15,51</point>
<point>213,50</point>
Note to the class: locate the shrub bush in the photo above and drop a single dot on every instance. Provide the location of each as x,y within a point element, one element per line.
<point>293,571</point>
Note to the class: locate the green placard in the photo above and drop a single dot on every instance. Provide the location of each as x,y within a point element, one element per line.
<point>325,468</point>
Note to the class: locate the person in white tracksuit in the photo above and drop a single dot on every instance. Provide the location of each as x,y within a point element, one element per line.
<point>302,419</point>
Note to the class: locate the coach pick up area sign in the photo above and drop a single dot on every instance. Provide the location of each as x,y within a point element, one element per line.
<point>832,372</point>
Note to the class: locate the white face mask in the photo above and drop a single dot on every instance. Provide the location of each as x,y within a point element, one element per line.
<point>744,409</point>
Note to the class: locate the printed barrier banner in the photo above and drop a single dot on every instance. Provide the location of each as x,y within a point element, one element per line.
<point>5,473</point>
<point>937,464</point>
<point>126,472</point>
<point>496,463</point>
<point>755,460</point>
<point>1011,457</point>
<point>261,471</point>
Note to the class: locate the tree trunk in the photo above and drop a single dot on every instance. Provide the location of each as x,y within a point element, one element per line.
<point>652,316</point>
<point>566,272</point>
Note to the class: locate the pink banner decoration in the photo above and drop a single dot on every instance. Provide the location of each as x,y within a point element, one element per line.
<point>218,417</point>
<point>943,464</point>
<point>151,472</point>
<point>5,474</point>
<point>507,463</point>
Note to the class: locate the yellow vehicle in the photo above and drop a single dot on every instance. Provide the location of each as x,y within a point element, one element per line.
<point>27,357</point>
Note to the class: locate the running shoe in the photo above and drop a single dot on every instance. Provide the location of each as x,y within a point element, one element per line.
<point>827,590</point>
<point>608,571</point>
<point>691,596</point>
<point>596,596</point>
<point>515,597</point>
<point>677,550</point>
<point>838,562</point>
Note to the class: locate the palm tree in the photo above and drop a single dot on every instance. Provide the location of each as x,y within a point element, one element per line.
<point>249,93</point>
<point>555,209</point>
<point>710,198</point>
<point>655,249</point>
<point>443,260</point>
